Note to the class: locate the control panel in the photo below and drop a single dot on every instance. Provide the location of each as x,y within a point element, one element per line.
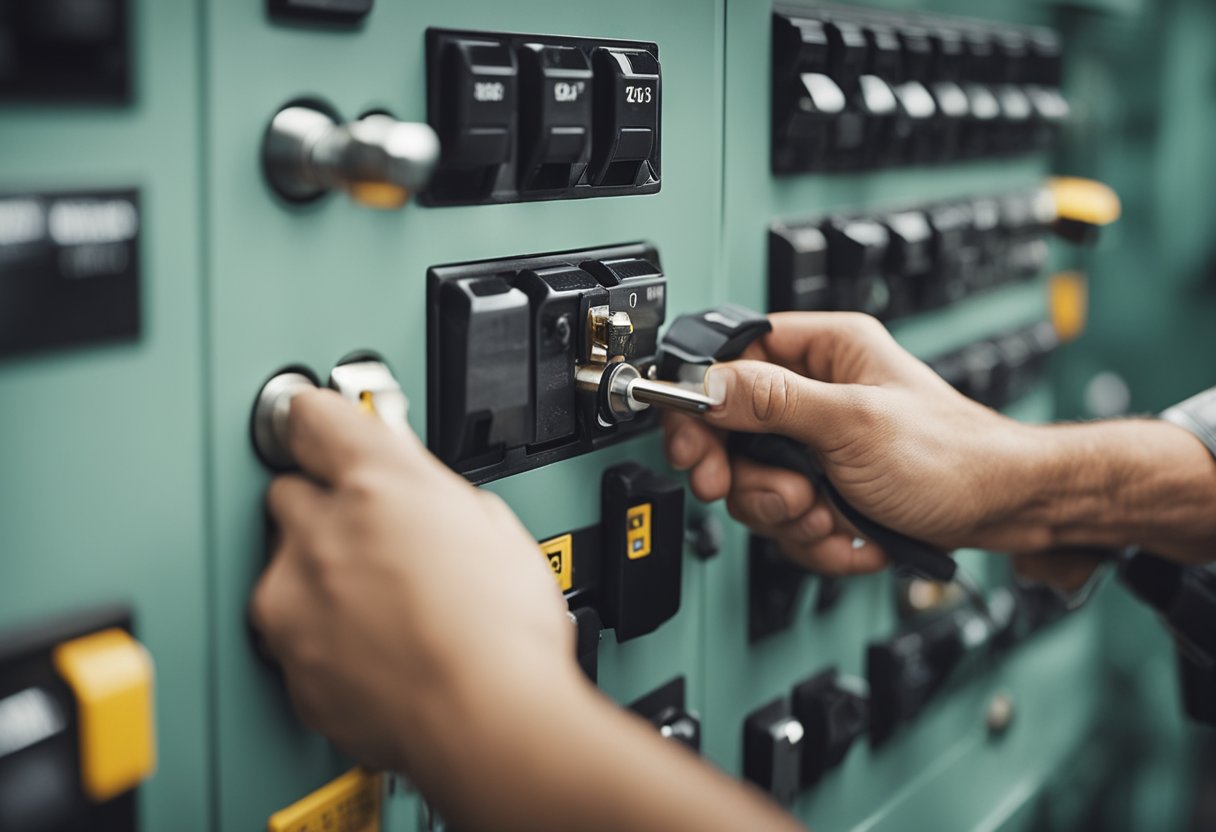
<point>207,207</point>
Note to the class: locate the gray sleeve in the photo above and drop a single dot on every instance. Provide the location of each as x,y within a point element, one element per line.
<point>1197,415</point>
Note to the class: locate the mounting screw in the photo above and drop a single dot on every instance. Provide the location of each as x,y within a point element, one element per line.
<point>999,714</point>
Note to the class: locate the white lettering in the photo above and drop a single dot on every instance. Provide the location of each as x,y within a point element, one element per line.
<point>21,221</point>
<point>489,91</point>
<point>639,95</point>
<point>76,222</point>
<point>565,92</point>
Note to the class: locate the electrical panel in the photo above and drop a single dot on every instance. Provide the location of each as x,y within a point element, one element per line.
<point>207,205</point>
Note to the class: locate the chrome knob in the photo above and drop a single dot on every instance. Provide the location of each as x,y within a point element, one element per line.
<point>377,159</point>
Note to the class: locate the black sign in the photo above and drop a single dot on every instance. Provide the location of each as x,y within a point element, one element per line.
<point>65,50</point>
<point>69,268</point>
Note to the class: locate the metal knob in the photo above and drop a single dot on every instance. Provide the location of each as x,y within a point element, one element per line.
<point>378,160</point>
<point>270,412</point>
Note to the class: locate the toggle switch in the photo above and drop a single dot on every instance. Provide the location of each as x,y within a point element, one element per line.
<point>380,161</point>
<point>834,712</point>
<point>363,378</point>
<point>806,100</point>
<point>643,549</point>
<point>627,97</point>
<point>485,395</point>
<point>798,269</point>
<point>856,256</point>
<point>477,107</point>
<point>555,116</point>
<point>587,626</point>
<point>772,750</point>
<point>909,259</point>
<point>666,710</point>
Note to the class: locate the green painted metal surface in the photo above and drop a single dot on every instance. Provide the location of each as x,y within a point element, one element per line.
<point>126,471</point>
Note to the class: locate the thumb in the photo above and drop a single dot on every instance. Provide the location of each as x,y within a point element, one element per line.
<point>760,397</point>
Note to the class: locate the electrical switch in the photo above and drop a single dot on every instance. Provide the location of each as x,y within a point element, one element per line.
<point>379,161</point>
<point>775,588</point>
<point>560,297</point>
<point>953,255</point>
<point>918,103</point>
<point>984,126</point>
<point>907,670</point>
<point>806,100</point>
<point>627,99</point>
<point>989,243</point>
<point>772,750</point>
<point>666,709</point>
<point>1016,111</point>
<point>834,712</point>
<point>485,323</point>
<point>856,256</point>
<point>642,558</point>
<point>798,269</point>
<point>554,116</point>
<point>587,625</point>
<point>847,50</point>
<point>909,259</point>
<point>888,133</point>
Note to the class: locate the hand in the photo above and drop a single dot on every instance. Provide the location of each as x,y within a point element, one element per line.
<point>398,595</point>
<point>420,629</point>
<point>896,440</point>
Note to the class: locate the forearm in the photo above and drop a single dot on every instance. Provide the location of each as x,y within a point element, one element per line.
<point>568,758</point>
<point>1118,483</point>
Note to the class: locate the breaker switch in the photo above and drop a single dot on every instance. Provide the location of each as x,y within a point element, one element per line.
<point>772,750</point>
<point>857,250</point>
<point>798,269</point>
<point>555,116</point>
<point>627,99</point>
<point>666,709</point>
<point>834,712</point>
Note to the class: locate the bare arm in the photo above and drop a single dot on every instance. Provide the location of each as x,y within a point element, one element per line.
<point>420,629</point>
<point>910,451</point>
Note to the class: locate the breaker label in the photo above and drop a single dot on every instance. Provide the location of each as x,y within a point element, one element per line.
<point>560,552</point>
<point>637,531</point>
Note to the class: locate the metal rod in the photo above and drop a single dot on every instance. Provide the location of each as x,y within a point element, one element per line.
<point>661,394</point>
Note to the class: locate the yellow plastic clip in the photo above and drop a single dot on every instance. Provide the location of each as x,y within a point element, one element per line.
<point>110,674</point>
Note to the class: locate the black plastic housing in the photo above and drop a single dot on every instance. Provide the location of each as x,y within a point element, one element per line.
<point>501,394</point>
<point>526,117</point>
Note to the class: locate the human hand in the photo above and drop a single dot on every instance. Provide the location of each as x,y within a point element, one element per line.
<point>896,440</point>
<point>398,597</point>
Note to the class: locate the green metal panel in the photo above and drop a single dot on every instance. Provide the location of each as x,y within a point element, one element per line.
<point>309,285</point>
<point>101,448</point>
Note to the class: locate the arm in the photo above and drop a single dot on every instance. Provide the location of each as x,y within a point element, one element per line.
<point>420,629</point>
<point>913,453</point>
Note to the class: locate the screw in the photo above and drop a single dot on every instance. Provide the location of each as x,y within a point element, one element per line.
<point>999,714</point>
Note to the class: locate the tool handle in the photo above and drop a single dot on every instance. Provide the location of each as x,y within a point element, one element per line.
<point>906,552</point>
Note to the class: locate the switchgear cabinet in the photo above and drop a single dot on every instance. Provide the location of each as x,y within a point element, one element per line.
<point>193,200</point>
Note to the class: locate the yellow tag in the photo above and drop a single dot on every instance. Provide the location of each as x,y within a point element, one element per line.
<point>560,552</point>
<point>637,531</point>
<point>1084,200</point>
<point>350,803</point>
<point>1069,304</point>
<point>111,675</point>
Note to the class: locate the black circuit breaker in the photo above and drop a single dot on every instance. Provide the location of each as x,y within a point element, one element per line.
<point>530,117</point>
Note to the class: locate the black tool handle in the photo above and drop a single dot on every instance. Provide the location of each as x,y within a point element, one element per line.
<point>916,556</point>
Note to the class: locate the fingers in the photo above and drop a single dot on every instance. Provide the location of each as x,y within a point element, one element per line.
<point>759,397</point>
<point>687,440</point>
<point>769,497</point>
<point>836,555</point>
<point>836,347</point>
<point>329,435</point>
<point>294,502</point>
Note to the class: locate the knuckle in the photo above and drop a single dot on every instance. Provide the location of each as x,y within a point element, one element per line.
<point>772,396</point>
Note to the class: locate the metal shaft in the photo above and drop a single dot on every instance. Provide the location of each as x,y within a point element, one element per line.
<point>661,394</point>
